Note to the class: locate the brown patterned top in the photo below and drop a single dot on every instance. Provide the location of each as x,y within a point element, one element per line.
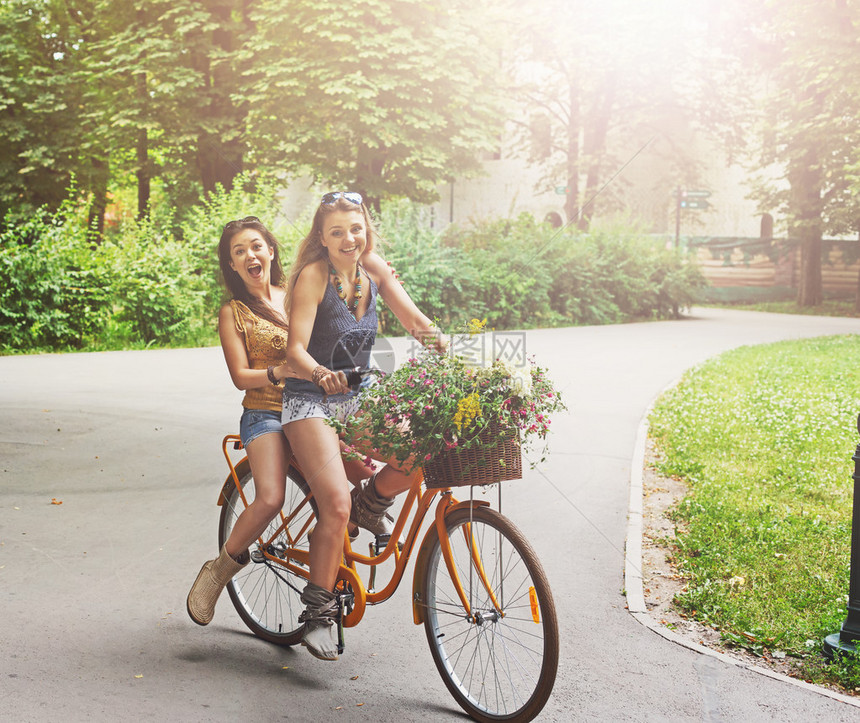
<point>266,345</point>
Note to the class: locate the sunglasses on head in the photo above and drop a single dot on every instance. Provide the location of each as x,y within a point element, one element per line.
<point>350,196</point>
<point>247,219</point>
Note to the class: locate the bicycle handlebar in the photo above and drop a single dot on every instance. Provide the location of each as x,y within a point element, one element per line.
<point>355,376</point>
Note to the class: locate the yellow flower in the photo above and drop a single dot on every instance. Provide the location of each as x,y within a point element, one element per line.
<point>468,409</point>
<point>476,327</point>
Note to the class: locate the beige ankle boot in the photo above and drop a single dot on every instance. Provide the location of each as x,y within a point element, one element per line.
<point>213,576</point>
<point>320,619</point>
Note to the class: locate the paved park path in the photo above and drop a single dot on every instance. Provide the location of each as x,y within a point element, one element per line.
<point>92,591</point>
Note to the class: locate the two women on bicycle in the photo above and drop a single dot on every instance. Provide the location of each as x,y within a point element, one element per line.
<point>331,304</point>
<point>253,330</point>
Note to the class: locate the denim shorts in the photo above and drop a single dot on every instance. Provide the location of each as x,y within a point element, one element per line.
<point>257,422</point>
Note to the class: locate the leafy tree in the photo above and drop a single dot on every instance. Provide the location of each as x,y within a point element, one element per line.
<point>389,97</point>
<point>601,79</point>
<point>173,77</point>
<point>803,124</point>
<point>42,104</point>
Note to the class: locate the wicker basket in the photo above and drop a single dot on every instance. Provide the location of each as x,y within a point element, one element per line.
<point>497,458</point>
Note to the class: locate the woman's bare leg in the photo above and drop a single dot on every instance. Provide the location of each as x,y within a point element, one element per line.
<point>269,457</point>
<point>395,477</point>
<point>391,481</point>
<point>317,450</point>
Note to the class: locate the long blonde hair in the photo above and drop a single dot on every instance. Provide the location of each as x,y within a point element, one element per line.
<point>311,248</point>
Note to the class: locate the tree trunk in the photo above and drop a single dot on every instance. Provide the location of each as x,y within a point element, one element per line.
<point>143,180</point>
<point>857,296</point>
<point>806,207</point>
<point>369,167</point>
<point>143,170</point>
<point>98,205</point>
<point>595,148</point>
<point>810,292</point>
<point>571,199</point>
<point>219,161</point>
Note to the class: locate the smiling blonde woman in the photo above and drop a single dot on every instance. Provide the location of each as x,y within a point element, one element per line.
<point>333,291</point>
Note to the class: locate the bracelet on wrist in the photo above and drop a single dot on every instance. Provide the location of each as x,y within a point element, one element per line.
<point>270,372</point>
<point>318,373</point>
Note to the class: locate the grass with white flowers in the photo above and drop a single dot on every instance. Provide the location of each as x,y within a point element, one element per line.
<point>764,438</point>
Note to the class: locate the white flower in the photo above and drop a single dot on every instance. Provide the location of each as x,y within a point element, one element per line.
<point>521,381</point>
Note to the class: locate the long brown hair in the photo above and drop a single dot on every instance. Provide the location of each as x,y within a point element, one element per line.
<point>311,248</point>
<point>234,282</point>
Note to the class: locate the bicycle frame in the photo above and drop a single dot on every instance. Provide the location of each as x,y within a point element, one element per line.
<point>297,561</point>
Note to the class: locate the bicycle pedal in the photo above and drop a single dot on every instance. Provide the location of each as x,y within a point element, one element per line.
<point>382,542</point>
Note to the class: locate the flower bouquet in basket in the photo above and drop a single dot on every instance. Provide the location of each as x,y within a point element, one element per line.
<point>463,417</point>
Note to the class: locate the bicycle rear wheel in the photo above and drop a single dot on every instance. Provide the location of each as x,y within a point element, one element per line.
<point>265,594</point>
<point>500,662</point>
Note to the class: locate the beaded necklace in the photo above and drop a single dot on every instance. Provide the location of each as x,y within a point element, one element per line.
<point>342,294</point>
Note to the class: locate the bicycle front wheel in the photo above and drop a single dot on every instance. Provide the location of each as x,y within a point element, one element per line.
<point>265,594</point>
<point>500,660</point>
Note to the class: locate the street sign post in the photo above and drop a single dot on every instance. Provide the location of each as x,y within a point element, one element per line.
<point>694,200</point>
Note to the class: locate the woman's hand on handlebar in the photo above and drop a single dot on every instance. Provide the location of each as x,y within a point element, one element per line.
<point>342,382</point>
<point>334,383</point>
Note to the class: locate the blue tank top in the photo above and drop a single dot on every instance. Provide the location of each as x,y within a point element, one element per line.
<point>338,341</point>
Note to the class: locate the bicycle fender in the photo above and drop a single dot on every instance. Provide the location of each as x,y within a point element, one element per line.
<point>423,555</point>
<point>236,473</point>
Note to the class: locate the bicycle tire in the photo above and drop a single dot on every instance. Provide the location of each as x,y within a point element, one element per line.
<point>267,595</point>
<point>497,667</point>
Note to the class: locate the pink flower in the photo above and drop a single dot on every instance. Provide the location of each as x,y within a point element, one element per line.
<point>427,458</point>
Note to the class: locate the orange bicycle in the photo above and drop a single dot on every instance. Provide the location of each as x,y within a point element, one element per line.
<point>478,588</point>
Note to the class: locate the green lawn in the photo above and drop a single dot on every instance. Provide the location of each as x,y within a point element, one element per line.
<point>830,307</point>
<point>764,437</point>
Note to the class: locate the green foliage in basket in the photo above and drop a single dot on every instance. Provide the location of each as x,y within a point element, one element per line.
<point>440,402</point>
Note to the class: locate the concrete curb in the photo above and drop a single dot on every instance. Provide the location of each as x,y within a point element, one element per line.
<point>633,582</point>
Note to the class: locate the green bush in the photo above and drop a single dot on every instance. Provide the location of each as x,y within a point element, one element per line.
<point>607,276</point>
<point>434,275</point>
<point>54,282</point>
<point>164,291</point>
<point>518,273</point>
<point>157,281</point>
<point>511,272</point>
